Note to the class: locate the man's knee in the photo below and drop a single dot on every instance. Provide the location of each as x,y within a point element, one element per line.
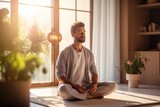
<point>111,87</point>
<point>108,88</point>
<point>64,88</point>
<point>64,91</point>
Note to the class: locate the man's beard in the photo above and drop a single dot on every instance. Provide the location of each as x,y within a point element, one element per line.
<point>80,39</point>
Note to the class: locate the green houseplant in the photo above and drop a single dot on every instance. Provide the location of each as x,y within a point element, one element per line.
<point>16,72</point>
<point>134,68</point>
<point>16,62</point>
<point>16,66</point>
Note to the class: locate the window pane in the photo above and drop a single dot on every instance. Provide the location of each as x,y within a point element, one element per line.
<point>66,19</point>
<point>36,21</point>
<point>70,4</point>
<point>83,5</point>
<point>36,2</point>
<point>4,0</point>
<point>85,18</point>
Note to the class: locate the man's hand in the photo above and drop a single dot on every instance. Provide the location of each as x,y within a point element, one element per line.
<point>79,88</point>
<point>92,89</point>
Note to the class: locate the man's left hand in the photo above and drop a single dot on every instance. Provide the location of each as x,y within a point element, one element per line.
<point>92,89</point>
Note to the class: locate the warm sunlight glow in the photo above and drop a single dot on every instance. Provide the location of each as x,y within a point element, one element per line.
<point>35,12</point>
<point>34,20</point>
<point>32,15</point>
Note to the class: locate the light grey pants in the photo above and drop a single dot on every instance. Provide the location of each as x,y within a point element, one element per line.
<point>67,92</point>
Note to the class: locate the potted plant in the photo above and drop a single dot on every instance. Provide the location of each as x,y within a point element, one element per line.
<point>134,69</point>
<point>16,71</point>
<point>16,67</point>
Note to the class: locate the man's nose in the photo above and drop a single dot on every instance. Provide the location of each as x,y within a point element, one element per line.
<point>82,33</point>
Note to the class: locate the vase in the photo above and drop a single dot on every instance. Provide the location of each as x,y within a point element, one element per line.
<point>133,80</point>
<point>14,94</point>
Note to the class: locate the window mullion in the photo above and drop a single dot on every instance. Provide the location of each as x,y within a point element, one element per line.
<point>14,16</point>
<point>75,10</point>
<point>56,29</point>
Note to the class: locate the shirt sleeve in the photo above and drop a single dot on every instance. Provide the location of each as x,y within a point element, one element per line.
<point>93,68</point>
<point>60,65</point>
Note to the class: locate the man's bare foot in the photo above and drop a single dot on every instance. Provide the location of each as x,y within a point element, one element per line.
<point>94,97</point>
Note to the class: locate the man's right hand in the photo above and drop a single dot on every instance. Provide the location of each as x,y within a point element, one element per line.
<point>79,88</point>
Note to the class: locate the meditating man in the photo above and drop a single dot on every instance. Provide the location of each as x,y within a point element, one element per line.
<point>76,70</point>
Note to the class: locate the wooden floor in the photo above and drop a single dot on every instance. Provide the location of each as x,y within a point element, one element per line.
<point>144,96</point>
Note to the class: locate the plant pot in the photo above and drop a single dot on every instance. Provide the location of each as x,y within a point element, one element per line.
<point>133,80</point>
<point>14,94</point>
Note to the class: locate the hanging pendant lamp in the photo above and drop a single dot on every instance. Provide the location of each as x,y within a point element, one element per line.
<point>54,38</point>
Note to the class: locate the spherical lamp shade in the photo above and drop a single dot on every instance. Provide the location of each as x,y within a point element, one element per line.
<point>54,38</point>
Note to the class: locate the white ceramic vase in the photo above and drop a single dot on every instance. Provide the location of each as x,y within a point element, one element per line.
<point>133,80</point>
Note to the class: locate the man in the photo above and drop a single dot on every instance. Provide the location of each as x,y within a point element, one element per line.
<point>76,70</point>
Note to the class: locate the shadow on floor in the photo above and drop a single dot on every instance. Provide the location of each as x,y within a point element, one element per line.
<point>157,104</point>
<point>143,89</point>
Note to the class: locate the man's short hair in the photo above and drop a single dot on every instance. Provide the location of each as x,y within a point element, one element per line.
<point>75,25</point>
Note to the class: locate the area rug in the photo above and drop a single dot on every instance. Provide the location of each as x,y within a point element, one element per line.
<point>48,101</point>
<point>55,101</point>
<point>116,99</point>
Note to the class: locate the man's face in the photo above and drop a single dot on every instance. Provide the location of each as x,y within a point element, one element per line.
<point>79,35</point>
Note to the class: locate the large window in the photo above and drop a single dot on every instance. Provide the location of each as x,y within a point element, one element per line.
<point>34,19</point>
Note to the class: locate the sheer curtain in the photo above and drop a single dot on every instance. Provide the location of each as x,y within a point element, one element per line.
<point>106,39</point>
